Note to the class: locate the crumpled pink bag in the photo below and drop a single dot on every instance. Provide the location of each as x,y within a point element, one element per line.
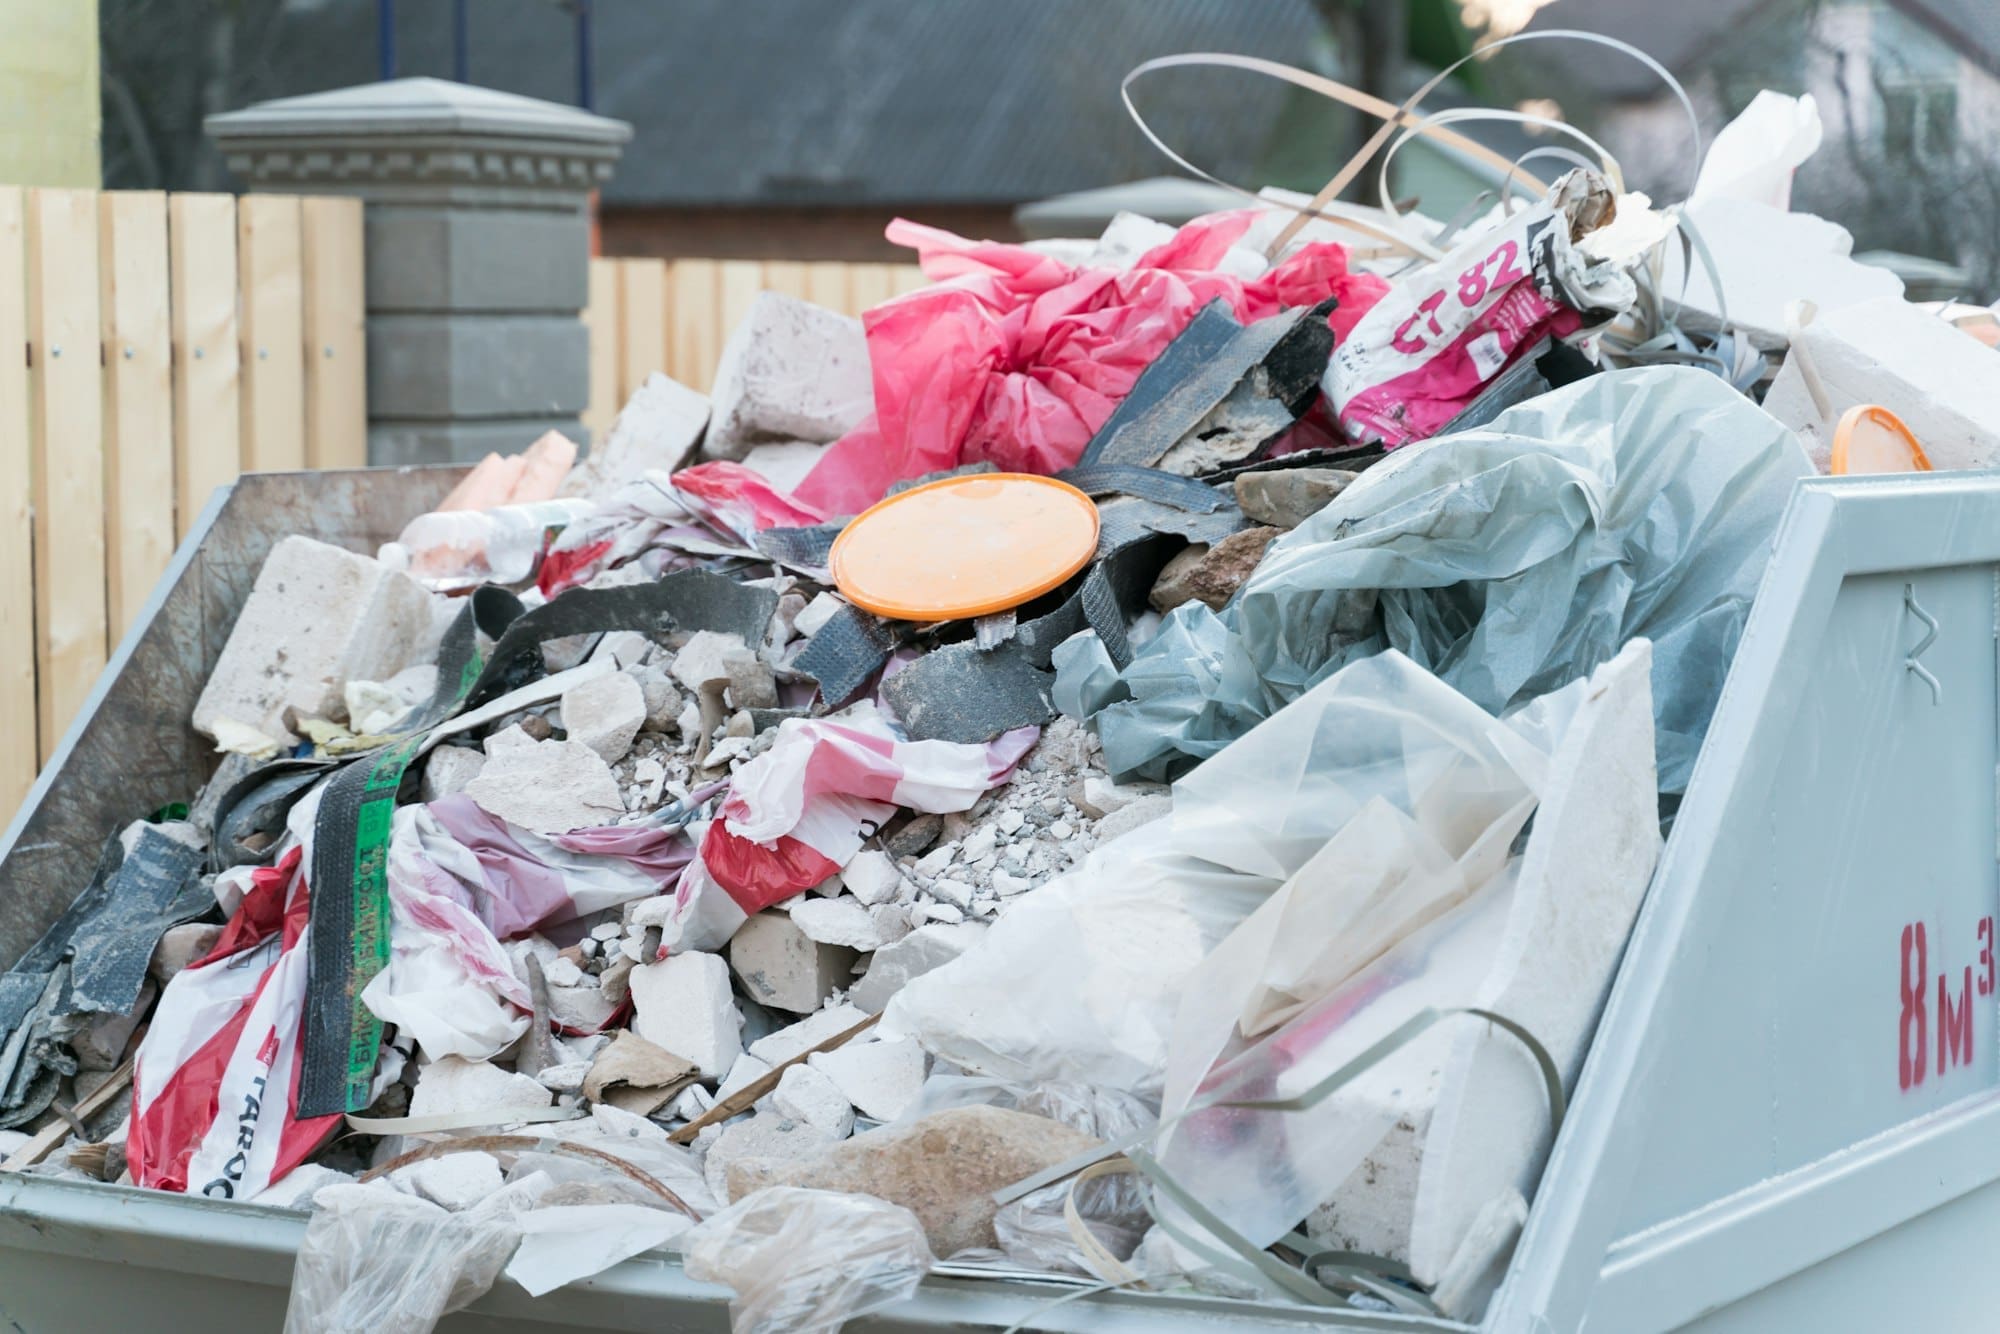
<point>1016,358</point>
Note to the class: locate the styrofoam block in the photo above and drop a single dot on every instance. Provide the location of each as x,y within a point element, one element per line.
<point>1944,384</point>
<point>683,1004</point>
<point>318,617</point>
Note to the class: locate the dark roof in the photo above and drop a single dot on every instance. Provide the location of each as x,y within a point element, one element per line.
<point>1971,27</point>
<point>860,101</point>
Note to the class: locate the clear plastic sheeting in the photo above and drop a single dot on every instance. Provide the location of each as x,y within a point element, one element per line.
<point>1509,560</point>
<point>1113,944</point>
<point>807,1261</point>
<point>377,1261</point>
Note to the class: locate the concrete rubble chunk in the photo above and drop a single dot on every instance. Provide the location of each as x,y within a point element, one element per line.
<point>872,877</point>
<point>880,1078</point>
<point>1943,384</point>
<point>547,787</point>
<point>657,428</point>
<point>1212,574</point>
<point>806,1094</point>
<point>706,656</point>
<point>683,1004</point>
<point>818,612</point>
<point>783,1045</point>
<point>767,1138</point>
<point>790,371</point>
<point>605,713</point>
<point>893,966</point>
<point>782,966</point>
<point>448,769</point>
<point>1287,497</point>
<point>663,702</point>
<point>180,946</point>
<point>943,1168</point>
<point>293,1190</point>
<point>317,617</point>
<point>746,1069</point>
<point>455,1181</point>
<point>842,921</point>
<point>452,1085</point>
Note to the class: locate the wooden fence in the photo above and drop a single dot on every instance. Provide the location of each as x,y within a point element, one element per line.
<point>171,342</point>
<point>649,315</point>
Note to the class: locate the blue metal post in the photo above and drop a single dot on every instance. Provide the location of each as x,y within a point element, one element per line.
<point>586,79</point>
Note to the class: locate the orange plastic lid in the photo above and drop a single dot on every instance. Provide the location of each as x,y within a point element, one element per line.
<point>965,546</point>
<point>1872,439</point>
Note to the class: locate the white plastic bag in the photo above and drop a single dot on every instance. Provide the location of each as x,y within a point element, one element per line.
<point>807,1261</point>
<point>1755,155</point>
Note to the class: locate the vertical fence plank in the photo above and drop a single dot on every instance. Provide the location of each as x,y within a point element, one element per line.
<point>787,276</point>
<point>907,278</point>
<point>695,322</point>
<point>872,284</point>
<point>66,379</point>
<point>829,285</point>
<point>737,283</point>
<point>19,755</point>
<point>642,322</point>
<point>201,250</point>
<point>335,352</point>
<point>138,400</point>
<point>273,333</point>
<point>600,317</point>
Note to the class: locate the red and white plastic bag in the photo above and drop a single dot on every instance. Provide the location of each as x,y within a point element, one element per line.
<point>1427,349</point>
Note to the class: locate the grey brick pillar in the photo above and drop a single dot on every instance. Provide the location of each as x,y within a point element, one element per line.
<point>478,246</point>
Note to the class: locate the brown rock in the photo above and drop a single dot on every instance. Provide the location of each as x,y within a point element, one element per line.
<point>943,1167</point>
<point>1212,574</point>
<point>1287,497</point>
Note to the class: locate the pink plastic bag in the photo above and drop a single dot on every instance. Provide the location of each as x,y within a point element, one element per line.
<point>1016,358</point>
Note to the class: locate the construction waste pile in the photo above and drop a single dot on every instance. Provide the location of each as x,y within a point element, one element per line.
<point>1131,765</point>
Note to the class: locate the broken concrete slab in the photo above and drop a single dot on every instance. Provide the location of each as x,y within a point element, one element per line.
<point>924,949</point>
<point>790,371</point>
<point>454,1086</point>
<point>656,430</point>
<point>806,1094</point>
<point>683,1004</point>
<point>797,1039</point>
<point>1212,574</point>
<point>881,1077</point>
<point>1287,497</point>
<point>317,617</point>
<point>455,1181</point>
<point>448,769</point>
<point>605,713</point>
<point>1944,385</point>
<point>546,787</point>
<point>783,967</point>
<point>872,877</point>
<point>843,921</point>
<point>943,1168</point>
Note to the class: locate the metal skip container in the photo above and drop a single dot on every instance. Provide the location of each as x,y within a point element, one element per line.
<point>1789,1117</point>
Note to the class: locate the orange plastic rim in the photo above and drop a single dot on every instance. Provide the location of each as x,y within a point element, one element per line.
<point>965,546</point>
<point>1871,439</point>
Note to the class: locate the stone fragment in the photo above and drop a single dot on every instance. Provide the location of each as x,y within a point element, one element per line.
<point>683,1004</point>
<point>547,787</point>
<point>656,429</point>
<point>1097,796</point>
<point>449,769</point>
<point>777,1048</point>
<point>871,877</point>
<point>1212,574</point>
<point>293,1190</point>
<point>949,913</point>
<point>751,684</point>
<point>782,966</point>
<point>979,843</point>
<point>455,1181</point>
<point>180,946</point>
<point>943,1168</point>
<point>790,371</point>
<point>893,966</point>
<point>604,713</point>
<point>806,1094</point>
<point>954,892</point>
<point>842,921</point>
<point>747,1069</point>
<point>1139,813</point>
<point>663,702</point>
<point>565,1078</point>
<point>771,1140</point>
<point>1287,497</point>
<point>317,617</point>
<point>915,836</point>
<point>452,1085</point>
<point>879,1078</point>
<point>706,657</point>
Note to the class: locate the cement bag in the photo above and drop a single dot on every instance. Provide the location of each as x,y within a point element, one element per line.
<point>1509,560</point>
<point>1111,945</point>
